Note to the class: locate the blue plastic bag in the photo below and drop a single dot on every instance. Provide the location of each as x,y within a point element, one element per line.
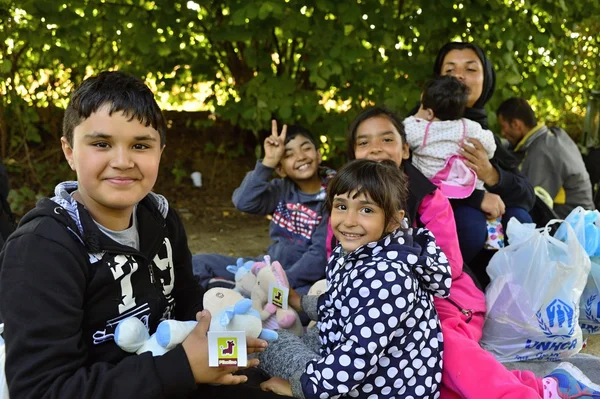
<point>533,297</point>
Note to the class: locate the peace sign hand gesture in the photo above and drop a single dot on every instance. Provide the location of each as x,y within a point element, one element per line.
<point>274,146</point>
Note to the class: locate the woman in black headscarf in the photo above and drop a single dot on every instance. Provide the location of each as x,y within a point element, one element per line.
<point>470,371</point>
<point>508,193</point>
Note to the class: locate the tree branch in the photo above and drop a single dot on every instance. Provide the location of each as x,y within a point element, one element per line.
<point>400,7</point>
<point>279,66</point>
<point>290,57</point>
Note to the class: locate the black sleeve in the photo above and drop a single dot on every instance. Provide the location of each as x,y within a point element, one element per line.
<point>46,355</point>
<point>514,188</point>
<point>188,293</point>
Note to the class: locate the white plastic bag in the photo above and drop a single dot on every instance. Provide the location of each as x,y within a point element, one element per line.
<point>586,225</point>
<point>589,307</point>
<point>3,384</point>
<point>533,297</point>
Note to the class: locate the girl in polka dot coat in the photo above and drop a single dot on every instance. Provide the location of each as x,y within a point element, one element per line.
<point>378,332</point>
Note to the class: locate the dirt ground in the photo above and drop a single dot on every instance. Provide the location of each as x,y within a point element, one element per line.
<point>227,231</point>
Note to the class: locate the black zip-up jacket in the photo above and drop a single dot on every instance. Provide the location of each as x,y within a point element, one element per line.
<point>64,286</point>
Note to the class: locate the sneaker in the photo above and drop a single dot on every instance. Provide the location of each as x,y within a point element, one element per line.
<point>568,382</point>
<point>220,282</point>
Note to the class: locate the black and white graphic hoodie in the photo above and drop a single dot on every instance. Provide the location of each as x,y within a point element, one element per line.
<point>379,331</point>
<point>64,286</point>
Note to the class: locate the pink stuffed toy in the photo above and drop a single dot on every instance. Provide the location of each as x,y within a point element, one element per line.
<point>273,317</point>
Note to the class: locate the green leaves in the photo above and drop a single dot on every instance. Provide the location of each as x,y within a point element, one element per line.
<point>306,61</point>
<point>5,66</point>
<point>510,45</point>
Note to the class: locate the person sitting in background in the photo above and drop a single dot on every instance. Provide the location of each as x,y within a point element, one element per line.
<point>296,203</point>
<point>548,157</point>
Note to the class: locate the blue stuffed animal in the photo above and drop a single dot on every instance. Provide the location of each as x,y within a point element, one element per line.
<point>132,335</point>
<point>244,278</point>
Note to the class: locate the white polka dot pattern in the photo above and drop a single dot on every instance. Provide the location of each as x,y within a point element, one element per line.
<point>379,332</point>
<point>443,141</point>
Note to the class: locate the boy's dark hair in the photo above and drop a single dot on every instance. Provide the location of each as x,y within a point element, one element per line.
<point>446,96</point>
<point>368,114</point>
<point>517,108</point>
<point>384,182</point>
<point>296,130</point>
<point>122,92</point>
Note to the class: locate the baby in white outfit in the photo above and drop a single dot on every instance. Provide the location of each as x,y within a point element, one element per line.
<point>438,131</point>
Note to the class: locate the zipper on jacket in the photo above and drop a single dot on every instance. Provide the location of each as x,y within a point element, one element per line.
<point>467,312</point>
<point>152,279</point>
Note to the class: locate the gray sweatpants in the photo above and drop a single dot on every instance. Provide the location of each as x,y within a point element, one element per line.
<point>290,354</point>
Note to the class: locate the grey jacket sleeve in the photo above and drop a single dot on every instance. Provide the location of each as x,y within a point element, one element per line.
<point>256,194</point>
<point>310,306</point>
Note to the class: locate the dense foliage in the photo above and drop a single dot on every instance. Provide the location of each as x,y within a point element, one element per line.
<point>314,62</point>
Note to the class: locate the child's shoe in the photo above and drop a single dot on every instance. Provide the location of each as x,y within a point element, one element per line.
<point>568,382</point>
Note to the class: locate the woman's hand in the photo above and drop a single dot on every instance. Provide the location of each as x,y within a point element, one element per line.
<point>277,385</point>
<point>477,159</point>
<point>492,205</point>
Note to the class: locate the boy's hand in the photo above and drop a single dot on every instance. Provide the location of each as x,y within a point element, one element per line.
<point>294,300</point>
<point>196,350</point>
<point>277,385</point>
<point>274,146</point>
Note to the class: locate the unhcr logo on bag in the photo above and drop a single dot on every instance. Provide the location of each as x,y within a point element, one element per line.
<point>589,312</point>
<point>591,323</point>
<point>560,316</point>
<point>557,317</point>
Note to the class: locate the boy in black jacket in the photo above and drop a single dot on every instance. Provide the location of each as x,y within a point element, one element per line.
<point>102,249</point>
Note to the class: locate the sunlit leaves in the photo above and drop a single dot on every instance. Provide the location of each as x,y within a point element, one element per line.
<point>302,61</point>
